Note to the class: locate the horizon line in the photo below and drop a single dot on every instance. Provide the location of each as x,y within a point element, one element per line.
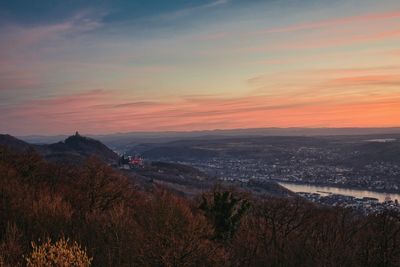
<point>215,130</point>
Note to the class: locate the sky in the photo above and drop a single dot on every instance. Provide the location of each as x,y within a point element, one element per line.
<point>142,65</point>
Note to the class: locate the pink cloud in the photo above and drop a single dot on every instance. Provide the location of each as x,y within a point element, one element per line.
<point>12,80</point>
<point>355,71</point>
<point>394,52</point>
<point>317,42</point>
<point>275,61</point>
<point>340,85</point>
<point>19,44</point>
<point>100,111</point>
<point>382,80</point>
<point>334,22</point>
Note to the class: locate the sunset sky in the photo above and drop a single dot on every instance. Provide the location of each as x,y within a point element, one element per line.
<point>126,65</point>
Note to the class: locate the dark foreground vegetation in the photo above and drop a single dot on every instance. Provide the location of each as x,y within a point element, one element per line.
<point>101,214</point>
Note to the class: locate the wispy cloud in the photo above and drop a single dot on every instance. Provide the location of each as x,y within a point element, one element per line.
<point>368,80</point>
<point>333,22</point>
<point>81,22</point>
<point>101,111</point>
<point>25,45</point>
<point>160,73</point>
<point>187,11</point>
<point>319,42</point>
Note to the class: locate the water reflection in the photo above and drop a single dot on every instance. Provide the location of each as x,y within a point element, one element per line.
<point>323,190</point>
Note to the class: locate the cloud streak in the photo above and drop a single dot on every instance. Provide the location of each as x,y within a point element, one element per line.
<point>98,111</point>
<point>201,66</point>
<point>334,22</point>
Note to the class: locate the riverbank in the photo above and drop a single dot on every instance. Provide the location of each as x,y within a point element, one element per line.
<point>328,189</point>
<point>384,191</point>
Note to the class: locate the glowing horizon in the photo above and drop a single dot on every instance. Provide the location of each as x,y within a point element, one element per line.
<point>130,66</point>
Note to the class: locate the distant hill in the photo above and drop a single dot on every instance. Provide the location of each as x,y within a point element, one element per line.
<point>125,141</point>
<point>189,181</point>
<point>348,150</point>
<point>238,147</point>
<point>74,149</point>
<point>13,143</point>
<point>179,153</point>
<point>182,179</point>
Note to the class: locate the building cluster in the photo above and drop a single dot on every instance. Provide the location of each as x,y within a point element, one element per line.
<point>130,162</point>
<point>314,164</point>
<point>366,205</point>
<point>380,176</point>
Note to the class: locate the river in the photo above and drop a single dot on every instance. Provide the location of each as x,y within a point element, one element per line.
<point>323,190</point>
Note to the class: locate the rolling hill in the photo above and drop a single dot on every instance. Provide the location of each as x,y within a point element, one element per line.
<point>73,150</point>
<point>13,143</point>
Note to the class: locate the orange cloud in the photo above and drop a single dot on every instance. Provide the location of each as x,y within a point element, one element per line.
<point>394,52</point>
<point>382,80</point>
<point>98,111</point>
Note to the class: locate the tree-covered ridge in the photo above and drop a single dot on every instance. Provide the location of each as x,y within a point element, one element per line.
<point>75,149</point>
<point>110,222</point>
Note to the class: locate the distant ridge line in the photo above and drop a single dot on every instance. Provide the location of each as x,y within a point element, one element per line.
<point>218,133</point>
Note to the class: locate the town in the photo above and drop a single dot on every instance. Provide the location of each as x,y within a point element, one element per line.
<point>377,176</point>
<point>130,162</point>
<point>366,205</point>
<point>253,172</point>
<point>361,162</point>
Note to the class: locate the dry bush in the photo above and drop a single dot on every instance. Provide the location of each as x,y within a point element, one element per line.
<point>50,205</point>
<point>62,254</point>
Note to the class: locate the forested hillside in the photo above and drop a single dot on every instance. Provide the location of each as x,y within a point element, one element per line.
<point>73,150</point>
<point>114,223</point>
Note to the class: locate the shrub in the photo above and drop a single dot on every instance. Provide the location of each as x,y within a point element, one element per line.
<point>63,253</point>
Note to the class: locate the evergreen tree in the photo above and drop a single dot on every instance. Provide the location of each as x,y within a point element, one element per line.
<point>225,211</point>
